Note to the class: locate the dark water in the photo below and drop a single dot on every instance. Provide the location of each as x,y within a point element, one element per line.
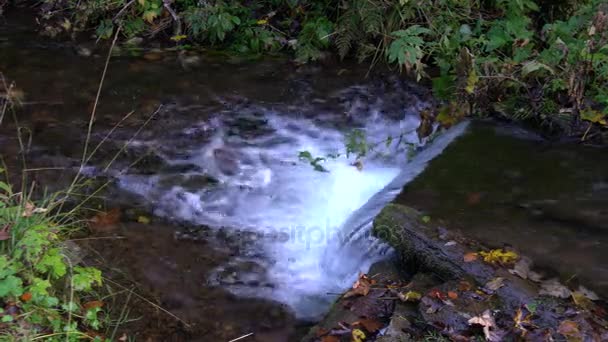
<point>505,187</point>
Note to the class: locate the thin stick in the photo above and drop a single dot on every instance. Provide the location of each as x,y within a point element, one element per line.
<point>150,302</point>
<point>240,338</point>
<point>94,111</point>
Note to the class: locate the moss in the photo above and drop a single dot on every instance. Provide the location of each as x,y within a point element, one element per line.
<point>402,228</point>
<point>388,224</point>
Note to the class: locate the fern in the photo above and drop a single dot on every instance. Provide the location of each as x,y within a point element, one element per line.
<point>361,19</point>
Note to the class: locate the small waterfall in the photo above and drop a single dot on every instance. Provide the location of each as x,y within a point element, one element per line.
<point>354,242</point>
<point>298,215</point>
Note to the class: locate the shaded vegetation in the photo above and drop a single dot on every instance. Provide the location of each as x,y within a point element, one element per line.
<point>44,293</point>
<point>543,61</point>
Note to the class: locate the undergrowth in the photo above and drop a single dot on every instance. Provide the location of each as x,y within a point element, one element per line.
<point>537,60</point>
<point>43,294</point>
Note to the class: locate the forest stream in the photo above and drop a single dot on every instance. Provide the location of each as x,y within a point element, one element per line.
<point>228,220</point>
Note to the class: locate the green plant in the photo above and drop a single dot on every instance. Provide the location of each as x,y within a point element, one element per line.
<point>211,22</point>
<point>407,49</point>
<point>40,288</point>
<point>313,38</point>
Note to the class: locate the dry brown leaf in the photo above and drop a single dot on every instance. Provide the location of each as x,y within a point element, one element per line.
<point>487,322</point>
<point>474,198</point>
<point>371,325</point>
<point>522,269</point>
<point>28,209</point>
<point>93,304</point>
<point>554,288</point>
<point>26,297</point>
<point>361,287</point>
<point>495,284</point>
<point>321,332</point>
<point>452,295</point>
<point>470,257</point>
<point>105,220</point>
<point>588,293</point>
<point>330,338</point>
<point>5,232</point>
<point>569,329</point>
<point>464,286</point>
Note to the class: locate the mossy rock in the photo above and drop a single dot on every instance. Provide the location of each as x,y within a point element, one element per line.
<point>403,228</point>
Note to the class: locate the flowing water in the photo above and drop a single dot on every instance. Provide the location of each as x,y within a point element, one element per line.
<point>297,214</point>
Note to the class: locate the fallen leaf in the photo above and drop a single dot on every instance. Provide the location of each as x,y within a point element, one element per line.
<point>554,288</point>
<point>321,332</point>
<point>412,296</point>
<point>450,243</point>
<point>474,198</point>
<point>588,293</point>
<point>361,287</point>
<point>426,219</point>
<point>358,335</point>
<point>495,284</point>
<point>470,257</point>
<point>487,322</point>
<point>28,209</point>
<point>464,286</point>
<point>522,269</point>
<point>143,219</point>
<point>433,305</point>
<point>371,325</point>
<point>330,338</point>
<point>434,293</point>
<point>569,329</point>
<point>5,233</point>
<point>123,338</point>
<point>523,322</point>
<point>452,295</point>
<point>93,304</point>
<point>104,220</point>
<point>581,300</point>
<point>499,256</point>
<point>26,297</point>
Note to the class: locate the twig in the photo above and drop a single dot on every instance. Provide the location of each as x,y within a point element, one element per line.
<point>93,112</point>
<point>178,22</point>
<point>240,338</point>
<point>122,10</point>
<point>151,303</point>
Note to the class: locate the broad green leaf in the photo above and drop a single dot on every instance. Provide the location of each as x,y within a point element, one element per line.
<point>534,66</point>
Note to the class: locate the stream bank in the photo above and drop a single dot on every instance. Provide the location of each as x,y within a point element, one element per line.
<point>443,286</point>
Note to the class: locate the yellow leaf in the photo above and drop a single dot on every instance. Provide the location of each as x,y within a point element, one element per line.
<point>178,38</point>
<point>581,301</point>
<point>472,80</point>
<point>141,2</point>
<point>143,219</point>
<point>412,296</point>
<point>66,25</point>
<point>498,256</point>
<point>262,22</point>
<point>149,16</point>
<point>470,257</point>
<point>358,335</point>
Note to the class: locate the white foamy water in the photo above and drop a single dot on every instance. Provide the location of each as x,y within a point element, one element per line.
<point>302,216</point>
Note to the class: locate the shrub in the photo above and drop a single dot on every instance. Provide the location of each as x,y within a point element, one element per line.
<point>42,294</point>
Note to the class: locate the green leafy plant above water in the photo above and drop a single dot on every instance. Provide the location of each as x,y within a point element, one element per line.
<point>43,294</point>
